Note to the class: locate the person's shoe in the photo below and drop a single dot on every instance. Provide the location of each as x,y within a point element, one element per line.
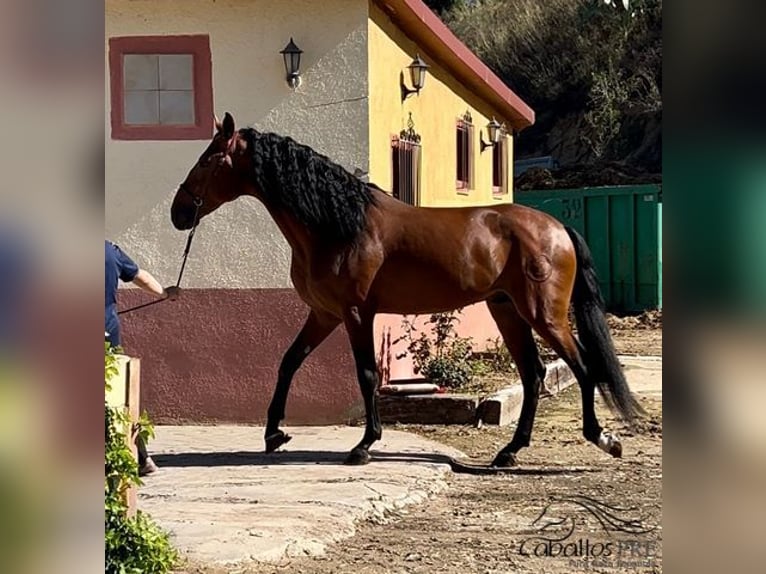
<point>148,467</point>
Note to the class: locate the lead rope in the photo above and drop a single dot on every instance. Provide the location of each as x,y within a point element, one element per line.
<point>197,204</point>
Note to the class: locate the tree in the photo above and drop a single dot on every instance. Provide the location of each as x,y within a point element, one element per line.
<point>591,70</point>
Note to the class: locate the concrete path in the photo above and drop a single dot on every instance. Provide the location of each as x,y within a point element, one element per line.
<point>225,502</point>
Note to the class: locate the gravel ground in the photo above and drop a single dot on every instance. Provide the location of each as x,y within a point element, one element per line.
<point>484,524</point>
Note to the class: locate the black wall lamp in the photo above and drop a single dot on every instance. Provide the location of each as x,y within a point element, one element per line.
<point>292,57</point>
<point>495,132</point>
<point>417,70</point>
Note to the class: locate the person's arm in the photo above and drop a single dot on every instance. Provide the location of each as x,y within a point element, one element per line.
<point>147,282</point>
<point>129,272</point>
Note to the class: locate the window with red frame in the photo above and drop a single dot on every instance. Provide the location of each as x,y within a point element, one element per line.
<point>161,87</point>
<point>500,167</point>
<point>464,152</point>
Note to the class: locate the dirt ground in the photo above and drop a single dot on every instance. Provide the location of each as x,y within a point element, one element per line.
<point>632,334</point>
<point>486,524</point>
<point>637,334</point>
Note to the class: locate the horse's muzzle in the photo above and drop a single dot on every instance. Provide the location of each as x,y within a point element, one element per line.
<point>182,220</point>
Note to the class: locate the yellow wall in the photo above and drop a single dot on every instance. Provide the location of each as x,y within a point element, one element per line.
<point>434,111</point>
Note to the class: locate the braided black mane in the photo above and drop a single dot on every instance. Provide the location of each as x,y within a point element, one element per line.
<point>321,194</point>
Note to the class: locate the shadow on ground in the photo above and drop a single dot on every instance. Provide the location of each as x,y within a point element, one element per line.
<point>254,458</point>
<point>337,458</point>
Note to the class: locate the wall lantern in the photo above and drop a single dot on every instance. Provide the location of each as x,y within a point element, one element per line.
<point>417,76</point>
<point>292,56</point>
<point>495,131</point>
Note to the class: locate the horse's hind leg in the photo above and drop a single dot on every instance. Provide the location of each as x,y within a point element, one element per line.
<point>553,325</point>
<point>517,335</point>
<point>316,329</point>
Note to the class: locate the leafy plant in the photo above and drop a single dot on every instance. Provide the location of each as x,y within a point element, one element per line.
<point>441,356</point>
<point>133,545</point>
<point>608,96</point>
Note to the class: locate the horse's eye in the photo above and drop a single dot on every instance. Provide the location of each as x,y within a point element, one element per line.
<point>210,159</point>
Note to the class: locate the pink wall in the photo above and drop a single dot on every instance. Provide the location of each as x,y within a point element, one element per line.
<point>475,322</point>
<point>213,355</point>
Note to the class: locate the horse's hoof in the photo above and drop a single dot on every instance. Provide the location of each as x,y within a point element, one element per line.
<point>616,449</point>
<point>357,457</point>
<point>275,440</point>
<point>610,444</point>
<point>504,460</point>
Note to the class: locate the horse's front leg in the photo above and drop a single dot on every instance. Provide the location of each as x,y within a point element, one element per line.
<point>316,329</point>
<point>360,332</point>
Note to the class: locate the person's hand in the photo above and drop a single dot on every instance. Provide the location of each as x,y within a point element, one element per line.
<point>172,293</point>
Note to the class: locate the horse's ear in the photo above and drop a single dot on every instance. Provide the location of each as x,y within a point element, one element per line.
<point>218,125</point>
<point>228,126</point>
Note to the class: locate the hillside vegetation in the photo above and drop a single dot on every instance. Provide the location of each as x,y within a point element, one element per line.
<point>591,71</point>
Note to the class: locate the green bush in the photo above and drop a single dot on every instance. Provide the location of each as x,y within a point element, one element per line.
<point>133,545</point>
<point>443,358</point>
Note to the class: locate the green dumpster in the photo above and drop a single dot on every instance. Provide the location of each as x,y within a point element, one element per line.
<point>623,228</point>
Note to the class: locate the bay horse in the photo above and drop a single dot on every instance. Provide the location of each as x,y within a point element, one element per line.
<point>358,251</point>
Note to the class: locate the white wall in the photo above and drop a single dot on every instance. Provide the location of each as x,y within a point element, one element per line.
<point>238,246</point>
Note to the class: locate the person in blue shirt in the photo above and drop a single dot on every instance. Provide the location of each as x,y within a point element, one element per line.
<point>120,267</point>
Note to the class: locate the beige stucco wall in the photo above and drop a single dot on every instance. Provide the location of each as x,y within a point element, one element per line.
<point>238,246</point>
<point>434,111</point>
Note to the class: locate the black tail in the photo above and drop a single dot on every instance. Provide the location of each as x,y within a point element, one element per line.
<point>601,358</point>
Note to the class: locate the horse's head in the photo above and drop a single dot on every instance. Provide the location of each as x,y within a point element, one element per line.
<point>219,176</point>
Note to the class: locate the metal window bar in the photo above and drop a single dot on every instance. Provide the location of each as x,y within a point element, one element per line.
<point>464,138</point>
<point>395,169</point>
<point>497,168</point>
<point>406,162</point>
<point>406,158</point>
<point>504,163</point>
<point>500,167</point>
<point>415,155</point>
<point>461,155</point>
<point>469,156</point>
